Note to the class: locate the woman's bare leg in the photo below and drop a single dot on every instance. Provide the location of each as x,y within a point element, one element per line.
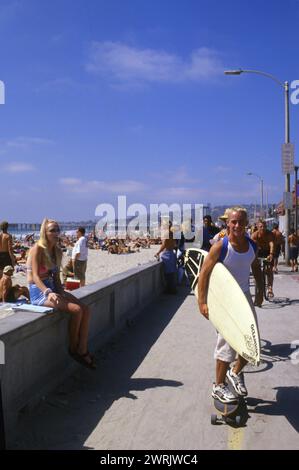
<point>84,329</point>
<point>82,345</point>
<point>79,323</point>
<point>74,331</point>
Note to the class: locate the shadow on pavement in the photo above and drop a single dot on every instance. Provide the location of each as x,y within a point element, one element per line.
<point>290,273</point>
<point>69,415</point>
<point>271,354</point>
<point>286,404</point>
<point>277,302</point>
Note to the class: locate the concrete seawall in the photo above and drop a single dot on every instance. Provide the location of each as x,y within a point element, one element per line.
<point>36,357</point>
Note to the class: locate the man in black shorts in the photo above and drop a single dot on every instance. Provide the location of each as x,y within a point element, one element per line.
<point>264,239</point>
<point>278,243</point>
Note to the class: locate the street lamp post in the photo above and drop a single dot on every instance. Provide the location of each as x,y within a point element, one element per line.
<point>285,86</point>
<point>262,193</point>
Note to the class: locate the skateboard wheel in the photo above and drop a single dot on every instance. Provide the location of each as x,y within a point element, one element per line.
<point>213,419</point>
<point>238,420</point>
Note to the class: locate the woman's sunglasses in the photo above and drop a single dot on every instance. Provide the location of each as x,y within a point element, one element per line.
<point>54,230</point>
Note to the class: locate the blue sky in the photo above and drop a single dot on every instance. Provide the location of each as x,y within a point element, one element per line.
<point>128,97</point>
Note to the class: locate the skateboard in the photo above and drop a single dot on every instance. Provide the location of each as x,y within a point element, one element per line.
<point>234,414</point>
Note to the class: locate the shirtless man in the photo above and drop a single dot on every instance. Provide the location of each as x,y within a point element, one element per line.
<point>6,251</point>
<point>265,243</point>
<point>278,242</point>
<point>8,292</point>
<point>168,256</point>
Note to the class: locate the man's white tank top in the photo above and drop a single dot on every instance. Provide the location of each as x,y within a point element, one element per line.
<point>239,265</point>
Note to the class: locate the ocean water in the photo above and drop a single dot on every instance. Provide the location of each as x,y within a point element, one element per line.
<point>19,234</point>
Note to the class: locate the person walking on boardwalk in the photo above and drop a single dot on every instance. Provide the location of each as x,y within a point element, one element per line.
<point>294,245</point>
<point>278,243</point>
<point>169,259</point>
<point>239,255</point>
<point>265,241</point>
<point>209,231</point>
<point>43,269</point>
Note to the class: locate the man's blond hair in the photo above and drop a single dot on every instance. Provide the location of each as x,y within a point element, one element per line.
<point>230,210</point>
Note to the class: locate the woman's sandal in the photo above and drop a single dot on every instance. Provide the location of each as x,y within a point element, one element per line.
<point>81,358</point>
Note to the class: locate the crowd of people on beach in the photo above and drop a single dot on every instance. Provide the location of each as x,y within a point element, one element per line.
<point>14,250</point>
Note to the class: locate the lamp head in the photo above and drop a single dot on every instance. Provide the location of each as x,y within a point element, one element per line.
<point>233,72</point>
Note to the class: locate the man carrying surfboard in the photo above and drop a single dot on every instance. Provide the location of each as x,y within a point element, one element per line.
<point>237,253</point>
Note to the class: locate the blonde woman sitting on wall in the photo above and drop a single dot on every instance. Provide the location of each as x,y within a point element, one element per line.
<point>43,269</point>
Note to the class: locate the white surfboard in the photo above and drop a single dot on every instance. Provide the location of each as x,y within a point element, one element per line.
<point>229,309</point>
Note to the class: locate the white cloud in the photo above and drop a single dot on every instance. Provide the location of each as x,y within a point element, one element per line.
<point>23,143</point>
<point>226,194</point>
<point>18,167</point>
<point>76,185</point>
<point>126,64</point>
<point>204,64</point>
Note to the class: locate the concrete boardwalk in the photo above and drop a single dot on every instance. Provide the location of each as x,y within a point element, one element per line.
<point>152,388</point>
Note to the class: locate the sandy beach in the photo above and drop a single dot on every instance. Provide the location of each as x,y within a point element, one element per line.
<point>102,264</point>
